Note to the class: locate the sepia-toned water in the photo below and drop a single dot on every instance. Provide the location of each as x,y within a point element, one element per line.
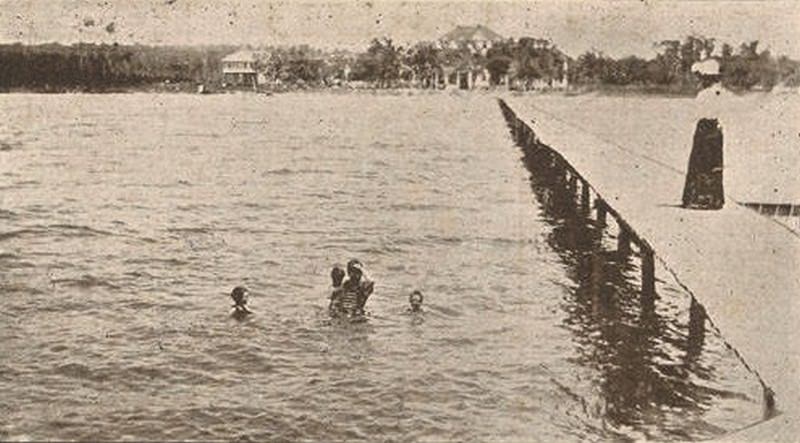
<point>125,220</point>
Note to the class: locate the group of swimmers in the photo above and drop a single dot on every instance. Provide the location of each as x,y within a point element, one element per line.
<point>348,296</point>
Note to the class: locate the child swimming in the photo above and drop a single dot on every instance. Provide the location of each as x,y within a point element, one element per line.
<point>239,296</point>
<point>415,300</point>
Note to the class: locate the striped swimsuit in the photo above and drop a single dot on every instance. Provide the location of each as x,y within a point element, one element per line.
<point>351,298</point>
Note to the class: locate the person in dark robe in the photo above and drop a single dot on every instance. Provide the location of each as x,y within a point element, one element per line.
<point>703,188</point>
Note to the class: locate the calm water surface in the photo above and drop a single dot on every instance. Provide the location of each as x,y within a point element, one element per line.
<point>126,219</point>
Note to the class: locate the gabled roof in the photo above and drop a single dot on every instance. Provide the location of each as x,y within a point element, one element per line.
<point>471,33</point>
<point>240,56</point>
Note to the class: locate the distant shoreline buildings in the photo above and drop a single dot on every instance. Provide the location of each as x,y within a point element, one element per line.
<point>239,69</point>
<point>465,58</point>
<point>459,59</point>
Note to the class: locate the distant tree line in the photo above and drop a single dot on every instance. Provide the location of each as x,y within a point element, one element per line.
<point>743,68</point>
<point>100,67</point>
<point>519,63</point>
<point>427,63</point>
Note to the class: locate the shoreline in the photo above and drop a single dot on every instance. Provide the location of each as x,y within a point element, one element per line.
<point>581,91</point>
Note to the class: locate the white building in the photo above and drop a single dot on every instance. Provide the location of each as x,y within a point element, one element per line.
<point>478,39</point>
<point>242,68</point>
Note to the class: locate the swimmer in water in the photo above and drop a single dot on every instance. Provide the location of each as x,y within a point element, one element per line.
<point>415,300</point>
<point>337,277</point>
<point>355,291</point>
<point>239,296</point>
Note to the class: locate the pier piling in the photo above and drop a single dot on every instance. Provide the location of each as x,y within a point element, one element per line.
<point>585,197</point>
<point>573,182</point>
<point>648,272</point>
<point>602,210</point>
<point>623,241</point>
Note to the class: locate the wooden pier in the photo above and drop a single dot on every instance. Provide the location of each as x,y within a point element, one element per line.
<point>742,267</point>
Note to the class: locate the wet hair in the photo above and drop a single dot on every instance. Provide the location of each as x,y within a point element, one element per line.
<point>337,275</point>
<point>238,295</point>
<point>414,294</point>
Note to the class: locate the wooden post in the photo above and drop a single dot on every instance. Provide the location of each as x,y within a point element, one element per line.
<point>600,206</point>
<point>623,241</point>
<point>769,402</point>
<point>573,183</point>
<point>563,174</point>
<point>585,200</point>
<point>648,272</point>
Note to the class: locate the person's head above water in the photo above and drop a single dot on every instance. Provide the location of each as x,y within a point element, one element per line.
<point>337,275</point>
<point>355,270</point>
<point>415,299</point>
<point>239,296</point>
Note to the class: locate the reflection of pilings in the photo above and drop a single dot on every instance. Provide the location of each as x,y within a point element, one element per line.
<point>565,177</point>
<point>696,336</point>
<point>596,272</point>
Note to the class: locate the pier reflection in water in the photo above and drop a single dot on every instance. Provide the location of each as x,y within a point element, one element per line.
<point>649,358</point>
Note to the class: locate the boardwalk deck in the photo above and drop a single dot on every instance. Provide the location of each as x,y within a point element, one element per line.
<point>741,266</point>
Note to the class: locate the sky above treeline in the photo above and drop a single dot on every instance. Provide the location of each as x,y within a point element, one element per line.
<point>617,28</point>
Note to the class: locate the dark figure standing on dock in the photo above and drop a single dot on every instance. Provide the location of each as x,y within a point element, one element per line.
<point>704,188</point>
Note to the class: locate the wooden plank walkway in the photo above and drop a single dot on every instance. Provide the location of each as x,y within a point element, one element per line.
<point>741,266</point>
